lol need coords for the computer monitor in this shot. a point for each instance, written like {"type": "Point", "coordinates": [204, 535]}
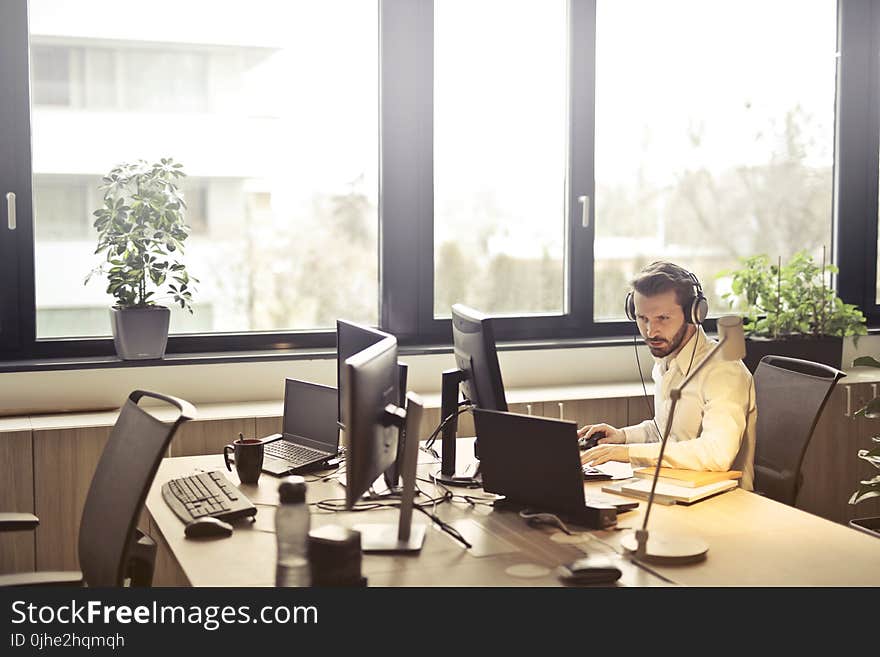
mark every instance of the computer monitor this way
{"type": "Point", "coordinates": [372, 419]}
{"type": "Point", "coordinates": [352, 338]}
{"type": "Point", "coordinates": [478, 376]}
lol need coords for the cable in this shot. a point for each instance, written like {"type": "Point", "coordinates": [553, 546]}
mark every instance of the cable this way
{"type": "Point", "coordinates": [644, 387]}
{"type": "Point", "coordinates": [542, 518]}
{"type": "Point", "coordinates": [449, 529]}
{"type": "Point", "coordinates": [463, 406]}
{"type": "Point", "coordinates": [640, 564]}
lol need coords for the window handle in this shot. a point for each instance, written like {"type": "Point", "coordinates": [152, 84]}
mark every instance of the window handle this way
{"type": "Point", "coordinates": [10, 210]}
{"type": "Point", "coordinates": [585, 216]}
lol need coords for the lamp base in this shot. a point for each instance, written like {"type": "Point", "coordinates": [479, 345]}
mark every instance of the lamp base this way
{"type": "Point", "coordinates": [666, 549]}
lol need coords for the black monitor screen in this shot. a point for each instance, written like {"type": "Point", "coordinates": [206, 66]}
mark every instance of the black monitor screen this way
{"type": "Point", "coordinates": [350, 339]}
{"type": "Point", "coordinates": [474, 344]}
{"type": "Point", "coordinates": [371, 382]}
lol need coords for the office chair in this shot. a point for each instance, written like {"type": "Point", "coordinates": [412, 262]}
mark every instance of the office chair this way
{"type": "Point", "coordinates": [790, 394]}
{"type": "Point", "coordinates": [111, 548]}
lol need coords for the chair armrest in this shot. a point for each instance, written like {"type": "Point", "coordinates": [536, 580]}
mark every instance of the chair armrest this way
{"type": "Point", "coordinates": [47, 578]}
{"type": "Point", "coordinates": [16, 522]}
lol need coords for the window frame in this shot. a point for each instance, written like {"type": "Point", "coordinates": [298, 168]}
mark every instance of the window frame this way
{"type": "Point", "coordinates": [406, 244]}
{"type": "Point", "coordinates": [857, 159]}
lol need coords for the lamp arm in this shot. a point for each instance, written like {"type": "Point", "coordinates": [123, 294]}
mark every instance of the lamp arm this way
{"type": "Point", "coordinates": [677, 390]}
{"type": "Point", "coordinates": [675, 395]}
{"type": "Point", "coordinates": [660, 460]}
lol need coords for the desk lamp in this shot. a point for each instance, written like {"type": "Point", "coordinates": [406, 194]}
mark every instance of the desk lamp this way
{"type": "Point", "coordinates": [668, 549]}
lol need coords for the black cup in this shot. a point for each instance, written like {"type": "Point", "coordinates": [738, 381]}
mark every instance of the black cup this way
{"type": "Point", "coordinates": [335, 557]}
{"type": "Point", "coordinates": [248, 459]}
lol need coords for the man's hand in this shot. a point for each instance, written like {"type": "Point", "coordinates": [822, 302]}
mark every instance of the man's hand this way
{"type": "Point", "coordinates": [612, 434]}
{"type": "Point", "coordinates": [603, 453]}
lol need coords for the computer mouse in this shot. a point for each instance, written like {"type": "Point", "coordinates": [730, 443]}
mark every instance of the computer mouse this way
{"type": "Point", "coordinates": [591, 442]}
{"type": "Point", "coordinates": [596, 569]}
{"type": "Point", "coordinates": [206, 527]}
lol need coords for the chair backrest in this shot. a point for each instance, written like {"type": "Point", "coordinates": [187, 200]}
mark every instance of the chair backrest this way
{"type": "Point", "coordinates": [790, 394]}
{"type": "Point", "coordinates": [120, 485]}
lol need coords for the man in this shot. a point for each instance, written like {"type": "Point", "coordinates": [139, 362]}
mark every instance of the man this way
{"type": "Point", "coordinates": [714, 424]}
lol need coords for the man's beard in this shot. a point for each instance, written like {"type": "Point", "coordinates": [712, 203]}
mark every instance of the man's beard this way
{"type": "Point", "coordinates": [667, 347]}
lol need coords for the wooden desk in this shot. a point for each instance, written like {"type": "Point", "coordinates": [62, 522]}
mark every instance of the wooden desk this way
{"type": "Point", "coordinates": [753, 541]}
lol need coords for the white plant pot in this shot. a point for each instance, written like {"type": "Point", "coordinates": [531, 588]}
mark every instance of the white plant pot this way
{"type": "Point", "coordinates": [140, 333]}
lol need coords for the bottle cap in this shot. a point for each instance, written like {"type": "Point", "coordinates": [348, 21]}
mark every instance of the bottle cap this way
{"type": "Point", "coordinates": [292, 489]}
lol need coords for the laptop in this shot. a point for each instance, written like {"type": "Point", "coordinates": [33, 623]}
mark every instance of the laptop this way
{"type": "Point", "coordinates": [535, 462]}
{"type": "Point", "coordinates": [309, 432]}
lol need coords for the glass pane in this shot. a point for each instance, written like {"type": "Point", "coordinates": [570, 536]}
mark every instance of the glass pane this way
{"type": "Point", "coordinates": [271, 107]}
{"type": "Point", "coordinates": [714, 137]}
{"type": "Point", "coordinates": [499, 155]}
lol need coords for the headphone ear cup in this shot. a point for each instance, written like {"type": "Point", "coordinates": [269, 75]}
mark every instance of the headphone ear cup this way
{"type": "Point", "coordinates": [629, 307]}
{"type": "Point", "coordinates": [699, 309]}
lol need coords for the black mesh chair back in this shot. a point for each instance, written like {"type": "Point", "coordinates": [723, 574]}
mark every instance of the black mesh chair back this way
{"type": "Point", "coordinates": [790, 395]}
{"type": "Point", "coordinates": [119, 488]}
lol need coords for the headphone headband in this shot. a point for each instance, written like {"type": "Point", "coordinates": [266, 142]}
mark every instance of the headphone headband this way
{"type": "Point", "coordinates": [695, 310]}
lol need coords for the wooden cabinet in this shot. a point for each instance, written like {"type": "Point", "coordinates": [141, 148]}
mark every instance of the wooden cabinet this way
{"type": "Point", "coordinates": [588, 411]}
{"type": "Point", "coordinates": [47, 468]}
{"type": "Point", "coordinates": [832, 468]}
{"type": "Point", "coordinates": [63, 466]}
{"type": "Point", "coordinates": [17, 549]}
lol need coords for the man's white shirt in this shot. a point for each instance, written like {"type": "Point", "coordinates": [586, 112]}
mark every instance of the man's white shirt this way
{"type": "Point", "coordinates": [714, 424]}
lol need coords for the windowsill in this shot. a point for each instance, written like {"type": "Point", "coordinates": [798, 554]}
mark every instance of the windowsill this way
{"type": "Point", "coordinates": [560, 368]}
{"type": "Point", "coordinates": [215, 358]}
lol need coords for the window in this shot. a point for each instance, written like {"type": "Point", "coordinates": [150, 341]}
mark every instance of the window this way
{"type": "Point", "coordinates": [381, 161]}
{"type": "Point", "coordinates": [711, 145]}
{"type": "Point", "coordinates": [277, 131]}
{"type": "Point", "coordinates": [500, 153]}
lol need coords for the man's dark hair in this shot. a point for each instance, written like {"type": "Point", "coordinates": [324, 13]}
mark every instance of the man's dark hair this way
{"type": "Point", "coordinates": [661, 276]}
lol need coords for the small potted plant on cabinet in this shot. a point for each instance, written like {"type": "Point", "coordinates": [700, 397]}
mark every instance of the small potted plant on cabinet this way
{"type": "Point", "coordinates": [790, 310]}
{"type": "Point", "coordinates": [868, 488]}
{"type": "Point", "coordinates": [141, 231]}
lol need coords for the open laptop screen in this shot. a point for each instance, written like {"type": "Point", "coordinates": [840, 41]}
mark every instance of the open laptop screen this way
{"type": "Point", "coordinates": [310, 414]}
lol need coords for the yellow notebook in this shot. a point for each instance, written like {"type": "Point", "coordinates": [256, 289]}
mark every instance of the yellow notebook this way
{"type": "Point", "coordinates": [688, 478]}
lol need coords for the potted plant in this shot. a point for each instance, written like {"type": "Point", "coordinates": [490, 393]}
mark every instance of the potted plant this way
{"type": "Point", "coordinates": [868, 488]}
{"type": "Point", "coordinates": [141, 231]}
{"type": "Point", "coordinates": [790, 310]}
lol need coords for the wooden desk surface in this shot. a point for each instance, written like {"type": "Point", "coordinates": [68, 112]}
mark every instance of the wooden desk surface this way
{"type": "Point", "coordinates": [753, 541]}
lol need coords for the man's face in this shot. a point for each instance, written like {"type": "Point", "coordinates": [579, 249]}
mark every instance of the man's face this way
{"type": "Point", "coordinates": [661, 323]}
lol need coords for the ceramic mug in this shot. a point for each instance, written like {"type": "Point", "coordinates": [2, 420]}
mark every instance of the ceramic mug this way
{"type": "Point", "coordinates": [248, 456]}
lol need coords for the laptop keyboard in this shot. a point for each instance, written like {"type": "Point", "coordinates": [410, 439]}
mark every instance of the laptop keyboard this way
{"type": "Point", "coordinates": [282, 449]}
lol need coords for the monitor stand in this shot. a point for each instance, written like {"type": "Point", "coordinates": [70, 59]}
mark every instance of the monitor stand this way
{"type": "Point", "coordinates": [405, 537]}
{"type": "Point", "coordinates": [447, 474]}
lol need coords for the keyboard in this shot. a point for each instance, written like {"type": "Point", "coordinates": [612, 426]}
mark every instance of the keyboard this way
{"type": "Point", "coordinates": [206, 494]}
{"type": "Point", "coordinates": [296, 454]}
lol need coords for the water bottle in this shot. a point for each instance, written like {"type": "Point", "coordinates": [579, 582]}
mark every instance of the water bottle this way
{"type": "Point", "coordinates": [292, 523]}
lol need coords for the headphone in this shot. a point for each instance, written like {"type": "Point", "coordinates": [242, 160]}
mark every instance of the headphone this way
{"type": "Point", "coordinates": [695, 310]}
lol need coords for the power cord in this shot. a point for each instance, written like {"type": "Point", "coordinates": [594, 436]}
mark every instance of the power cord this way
{"type": "Point", "coordinates": [639, 564]}
{"type": "Point", "coordinates": [542, 518]}
{"type": "Point", "coordinates": [337, 505]}
{"type": "Point", "coordinates": [463, 406]}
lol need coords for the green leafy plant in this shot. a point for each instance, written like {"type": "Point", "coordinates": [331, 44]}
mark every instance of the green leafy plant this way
{"type": "Point", "coordinates": [868, 488]}
{"type": "Point", "coordinates": [779, 300]}
{"type": "Point", "coordinates": [141, 230]}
